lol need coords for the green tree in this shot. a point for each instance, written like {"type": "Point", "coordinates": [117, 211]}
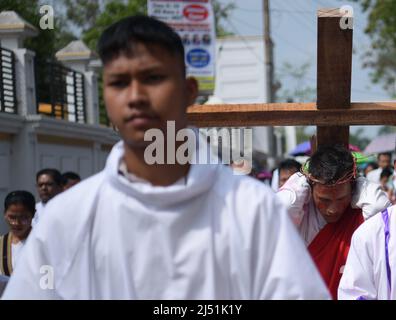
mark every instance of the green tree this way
{"type": "Point", "coordinates": [82, 13]}
{"type": "Point", "coordinates": [221, 13]}
{"type": "Point", "coordinates": [48, 41]}
{"type": "Point", "coordinates": [358, 139]}
{"type": "Point", "coordinates": [299, 90]}
{"type": "Point", "coordinates": [381, 28]}
{"type": "Point", "coordinates": [112, 11]}
{"type": "Point", "coordinates": [386, 129]}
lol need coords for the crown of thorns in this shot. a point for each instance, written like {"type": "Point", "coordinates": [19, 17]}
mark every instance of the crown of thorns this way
{"type": "Point", "coordinates": [348, 176]}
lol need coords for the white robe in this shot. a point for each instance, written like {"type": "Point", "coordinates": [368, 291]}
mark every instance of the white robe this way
{"type": "Point", "coordinates": [365, 273]}
{"type": "Point", "coordinates": [374, 175]}
{"type": "Point", "coordinates": [16, 249]}
{"type": "Point", "coordinates": [296, 195]}
{"type": "Point", "coordinates": [219, 236]}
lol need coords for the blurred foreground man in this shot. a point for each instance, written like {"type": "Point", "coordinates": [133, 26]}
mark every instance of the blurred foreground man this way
{"type": "Point", "coordinates": [161, 231]}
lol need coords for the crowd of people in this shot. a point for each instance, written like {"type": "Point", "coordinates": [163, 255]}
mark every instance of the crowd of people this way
{"type": "Point", "coordinates": [192, 231]}
{"type": "Point", "coordinates": [384, 173]}
{"type": "Point", "coordinates": [22, 213]}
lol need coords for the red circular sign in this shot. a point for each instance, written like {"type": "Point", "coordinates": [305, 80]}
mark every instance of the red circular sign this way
{"type": "Point", "coordinates": [195, 12]}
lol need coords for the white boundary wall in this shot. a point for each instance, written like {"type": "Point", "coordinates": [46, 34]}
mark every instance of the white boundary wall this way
{"type": "Point", "coordinates": [29, 144]}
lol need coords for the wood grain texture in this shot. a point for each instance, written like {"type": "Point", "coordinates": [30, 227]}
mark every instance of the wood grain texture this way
{"type": "Point", "coordinates": [334, 67]}
{"type": "Point", "coordinates": [291, 114]}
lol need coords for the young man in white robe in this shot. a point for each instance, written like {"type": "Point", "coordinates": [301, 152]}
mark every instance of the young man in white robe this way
{"type": "Point", "coordinates": [327, 204]}
{"type": "Point", "coordinates": [161, 231]}
{"type": "Point", "coordinates": [369, 272]}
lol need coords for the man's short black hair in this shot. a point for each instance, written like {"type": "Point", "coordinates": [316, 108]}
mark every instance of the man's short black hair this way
{"type": "Point", "coordinates": [330, 163]}
{"type": "Point", "coordinates": [290, 164]}
{"type": "Point", "coordinates": [70, 175]}
{"type": "Point", "coordinates": [388, 154]}
{"type": "Point", "coordinates": [54, 173]}
{"type": "Point", "coordinates": [372, 164]}
{"type": "Point", "coordinates": [121, 37]}
{"type": "Point", "coordinates": [386, 173]}
{"type": "Point", "coordinates": [22, 197]}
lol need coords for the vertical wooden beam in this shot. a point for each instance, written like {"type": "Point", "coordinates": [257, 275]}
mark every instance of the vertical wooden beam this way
{"type": "Point", "coordinates": [333, 72]}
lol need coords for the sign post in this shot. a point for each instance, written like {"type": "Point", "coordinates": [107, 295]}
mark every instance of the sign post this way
{"type": "Point", "coordinates": [193, 20]}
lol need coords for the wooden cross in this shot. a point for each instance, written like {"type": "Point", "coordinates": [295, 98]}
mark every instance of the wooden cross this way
{"type": "Point", "coordinates": [333, 112]}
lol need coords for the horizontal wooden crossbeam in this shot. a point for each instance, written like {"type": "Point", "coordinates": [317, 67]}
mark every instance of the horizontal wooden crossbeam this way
{"type": "Point", "coordinates": [291, 114]}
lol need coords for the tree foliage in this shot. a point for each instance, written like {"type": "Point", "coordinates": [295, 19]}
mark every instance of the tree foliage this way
{"type": "Point", "coordinates": [221, 13]}
{"type": "Point", "coordinates": [111, 12]}
{"type": "Point", "coordinates": [48, 41]}
{"type": "Point", "coordinates": [386, 129]}
{"type": "Point", "coordinates": [358, 139]}
{"type": "Point", "coordinates": [86, 19]}
{"type": "Point", "coordinates": [91, 17]}
{"type": "Point", "coordinates": [298, 91]}
{"type": "Point", "coordinates": [381, 28]}
{"type": "Point", "coordinates": [82, 13]}
{"type": "Point", "coordinates": [114, 10]}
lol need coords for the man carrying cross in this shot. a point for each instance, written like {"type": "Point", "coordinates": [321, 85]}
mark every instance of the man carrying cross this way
{"type": "Point", "coordinates": [332, 113]}
{"type": "Point", "coordinates": [327, 202]}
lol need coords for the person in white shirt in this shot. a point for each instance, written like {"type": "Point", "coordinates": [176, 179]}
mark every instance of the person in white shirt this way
{"type": "Point", "coordinates": [19, 209]}
{"type": "Point", "coordinates": [369, 270]}
{"type": "Point", "coordinates": [70, 179]}
{"type": "Point", "coordinates": [384, 161]}
{"type": "Point", "coordinates": [327, 203]}
{"type": "Point", "coordinates": [286, 169]}
{"type": "Point", "coordinates": [369, 167]}
{"type": "Point", "coordinates": [275, 180]}
{"type": "Point", "coordinates": [161, 231]}
{"type": "Point", "coordinates": [49, 184]}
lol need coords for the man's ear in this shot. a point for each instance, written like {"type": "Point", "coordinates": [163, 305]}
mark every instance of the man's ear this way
{"type": "Point", "coordinates": [192, 90]}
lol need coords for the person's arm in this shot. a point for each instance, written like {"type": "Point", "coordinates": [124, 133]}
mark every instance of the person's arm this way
{"type": "Point", "coordinates": [369, 197]}
{"type": "Point", "coordinates": [282, 267]}
{"type": "Point", "coordinates": [294, 195]}
{"type": "Point", "coordinates": [357, 282]}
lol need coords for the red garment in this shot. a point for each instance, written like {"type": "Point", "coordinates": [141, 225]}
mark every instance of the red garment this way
{"type": "Point", "coordinates": [329, 249]}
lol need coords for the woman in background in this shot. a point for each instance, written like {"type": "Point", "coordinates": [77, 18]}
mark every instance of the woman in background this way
{"type": "Point", "coordinates": [19, 209]}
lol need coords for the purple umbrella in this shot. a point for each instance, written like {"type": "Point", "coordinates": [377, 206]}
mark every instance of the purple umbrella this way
{"type": "Point", "coordinates": [301, 149]}
{"type": "Point", "coordinates": [304, 148]}
{"type": "Point", "coordinates": [385, 143]}
{"type": "Point", "coordinates": [264, 175]}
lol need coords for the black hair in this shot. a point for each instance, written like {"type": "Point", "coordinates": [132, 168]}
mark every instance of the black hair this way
{"type": "Point", "coordinates": [54, 173]}
{"type": "Point", "coordinates": [24, 198]}
{"type": "Point", "coordinates": [330, 163]}
{"type": "Point", "coordinates": [386, 173]}
{"type": "Point", "coordinates": [289, 164]}
{"type": "Point", "coordinates": [388, 154]}
{"type": "Point", "coordinates": [122, 36]}
{"type": "Point", "coordinates": [70, 176]}
{"type": "Point", "coordinates": [374, 165]}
